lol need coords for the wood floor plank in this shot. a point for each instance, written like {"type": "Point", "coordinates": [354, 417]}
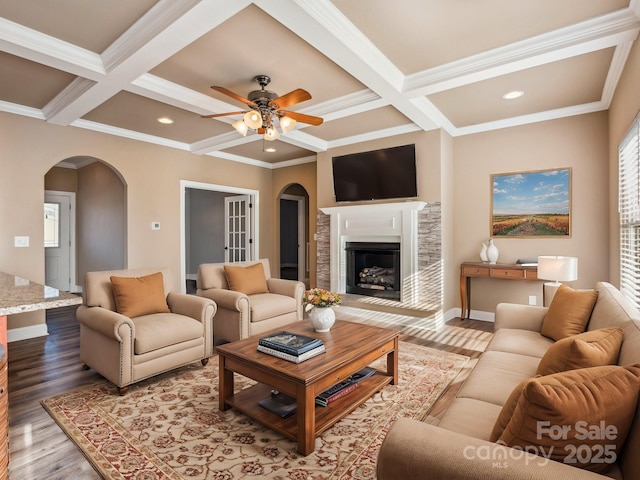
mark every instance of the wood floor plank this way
{"type": "Point", "coordinates": [42, 367]}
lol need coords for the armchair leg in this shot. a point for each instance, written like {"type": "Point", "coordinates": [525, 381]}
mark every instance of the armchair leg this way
{"type": "Point", "coordinates": [204, 362]}
{"type": "Point", "coordinates": [123, 390]}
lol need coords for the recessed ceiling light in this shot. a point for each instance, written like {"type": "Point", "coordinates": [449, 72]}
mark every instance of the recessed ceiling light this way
{"type": "Point", "coordinates": [165, 120]}
{"type": "Point", "coordinates": [270, 149]}
{"type": "Point", "coordinates": [513, 94]}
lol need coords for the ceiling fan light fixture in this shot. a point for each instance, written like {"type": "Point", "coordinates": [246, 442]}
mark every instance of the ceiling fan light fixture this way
{"type": "Point", "coordinates": [241, 127]}
{"type": "Point", "coordinates": [271, 134]}
{"type": "Point", "coordinates": [253, 119]}
{"type": "Point", "coordinates": [287, 124]}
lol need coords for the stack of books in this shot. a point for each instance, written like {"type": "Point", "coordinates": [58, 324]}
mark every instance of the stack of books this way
{"type": "Point", "coordinates": [291, 346]}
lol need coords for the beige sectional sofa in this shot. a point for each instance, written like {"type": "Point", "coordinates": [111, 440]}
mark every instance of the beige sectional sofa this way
{"type": "Point", "coordinates": [459, 446]}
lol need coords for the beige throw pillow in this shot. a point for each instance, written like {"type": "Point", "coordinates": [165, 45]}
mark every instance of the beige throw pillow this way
{"type": "Point", "coordinates": [568, 313]}
{"type": "Point", "coordinates": [579, 417]}
{"type": "Point", "coordinates": [137, 296]}
{"type": "Point", "coordinates": [588, 349]}
{"type": "Point", "coordinates": [248, 280]}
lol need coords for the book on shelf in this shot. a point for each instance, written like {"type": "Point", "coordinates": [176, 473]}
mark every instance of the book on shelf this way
{"type": "Point", "coordinates": [291, 343]}
{"type": "Point", "coordinates": [362, 374]}
{"type": "Point", "coordinates": [336, 392]}
{"type": "Point", "coordinates": [292, 358]}
{"type": "Point", "coordinates": [279, 403]}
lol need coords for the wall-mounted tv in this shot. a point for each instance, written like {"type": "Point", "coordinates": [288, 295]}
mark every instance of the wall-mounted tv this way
{"type": "Point", "coordinates": [376, 175]}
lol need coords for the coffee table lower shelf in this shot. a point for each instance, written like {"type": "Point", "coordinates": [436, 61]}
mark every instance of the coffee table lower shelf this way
{"type": "Point", "coordinates": [246, 401]}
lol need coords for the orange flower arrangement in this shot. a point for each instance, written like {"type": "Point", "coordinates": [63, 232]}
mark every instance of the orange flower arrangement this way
{"type": "Point", "coordinates": [319, 297]}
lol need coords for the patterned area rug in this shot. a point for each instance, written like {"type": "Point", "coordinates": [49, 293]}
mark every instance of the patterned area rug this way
{"type": "Point", "coordinates": [169, 427]}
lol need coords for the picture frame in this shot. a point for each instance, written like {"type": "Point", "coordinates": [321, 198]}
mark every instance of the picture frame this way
{"type": "Point", "coordinates": [530, 204]}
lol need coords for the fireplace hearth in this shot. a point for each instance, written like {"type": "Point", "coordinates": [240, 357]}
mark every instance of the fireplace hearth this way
{"type": "Point", "coordinates": [373, 269]}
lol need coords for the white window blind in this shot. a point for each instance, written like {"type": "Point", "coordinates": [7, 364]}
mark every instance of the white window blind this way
{"type": "Point", "coordinates": [629, 209]}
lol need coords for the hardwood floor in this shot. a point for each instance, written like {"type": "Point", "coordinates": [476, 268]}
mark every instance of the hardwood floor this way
{"type": "Point", "coordinates": [42, 367]}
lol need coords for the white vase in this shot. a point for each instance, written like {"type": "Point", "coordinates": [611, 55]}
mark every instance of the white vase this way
{"type": "Point", "coordinates": [322, 318]}
{"type": "Point", "coordinates": [483, 253]}
{"type": "Point", "coordinates": [492, 252]}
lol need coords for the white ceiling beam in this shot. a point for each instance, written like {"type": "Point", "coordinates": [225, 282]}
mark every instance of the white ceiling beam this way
{"type": "Point", "coordinates": [366, 137]}
{"type": "Point", "coordinates": [585, 37]}
{"type": "Point", "coordinates": [322, 25]}
{"type": "Point", "coordinates": [164, 30]}
{"type": "Point", "coordinates": [38, 47]}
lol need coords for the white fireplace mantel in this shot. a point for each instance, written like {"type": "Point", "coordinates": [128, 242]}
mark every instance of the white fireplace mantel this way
{"type": "Point", "coordinates": [384, 222]}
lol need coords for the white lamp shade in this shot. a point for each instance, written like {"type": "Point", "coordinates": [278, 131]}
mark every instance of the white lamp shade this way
{"type": "Point", "coordinates": [253, 119]}
{"type": "Point", "coordinates": [287, 124]}
{"type": "Point", "coordinates": [558, 269]}
{"type": "Point", "coordinates": [241, 127]}
{"type": "Point", "coordinates": [271, 134]}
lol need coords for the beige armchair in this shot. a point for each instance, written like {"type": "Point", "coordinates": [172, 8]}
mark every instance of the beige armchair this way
{"type": "Point", "coordinates": [134, 327]}
{"type": "Point", "coordinates": [240, 314]}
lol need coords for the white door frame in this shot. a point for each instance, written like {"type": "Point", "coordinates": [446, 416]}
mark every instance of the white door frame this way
{"type": "Point", "coordinates": [255, 220]}
{"type": "Point", "coordinates": [72, 236]}
{"type": "Point", "coordinates": [302, 247]}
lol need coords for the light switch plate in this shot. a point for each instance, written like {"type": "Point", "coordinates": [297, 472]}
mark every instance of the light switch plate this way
{"type": "Point", "coordinates": [155, 225]}
{"type": "Point", "coordinates": [533, 300]}
{"type": "Point", "coordinates": [21, 242]}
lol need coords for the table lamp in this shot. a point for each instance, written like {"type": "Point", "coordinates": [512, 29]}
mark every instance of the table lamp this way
{"type": "Point", "coordinates": [558, 269]}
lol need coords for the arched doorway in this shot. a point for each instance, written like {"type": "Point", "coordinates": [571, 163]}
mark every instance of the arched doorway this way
{"type": "Point", "coordinates": [294, 233]}
{"type": "Point", "coordinates": [93, 221]}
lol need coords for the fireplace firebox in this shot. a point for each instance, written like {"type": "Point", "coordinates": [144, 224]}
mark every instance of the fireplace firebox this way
{"type": "Point", "coordinates": [373, 268]}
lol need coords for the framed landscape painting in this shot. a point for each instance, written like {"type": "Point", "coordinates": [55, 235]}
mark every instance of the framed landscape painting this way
{"type": "Point", "coordinates": [531, 204]}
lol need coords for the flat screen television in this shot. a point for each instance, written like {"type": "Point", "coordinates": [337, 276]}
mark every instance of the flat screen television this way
{"type": "Point", "coordinates": [376, 175]}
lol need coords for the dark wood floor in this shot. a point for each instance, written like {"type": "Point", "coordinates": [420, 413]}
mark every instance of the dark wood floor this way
{"type": "Point", "coordinates": [42, 367]}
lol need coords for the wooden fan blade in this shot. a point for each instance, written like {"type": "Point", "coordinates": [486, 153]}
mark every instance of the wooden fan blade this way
{"type": "Point", "coordinates": [234, 96]}
{"type": "Point", "coordinates": [301, 117]}
{"type": "Point", "coordinates": [291, 98]}
{"type": "Point", "coordinates": [223, 114]}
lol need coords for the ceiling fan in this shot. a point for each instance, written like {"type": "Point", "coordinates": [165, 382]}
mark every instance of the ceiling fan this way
{"type": "Point", "coordinates": [266, 109]}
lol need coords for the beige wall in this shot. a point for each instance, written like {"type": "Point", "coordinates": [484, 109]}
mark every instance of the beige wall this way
{"type": "Point", "coordinates": [623, 109]}
{"type": "Point", "coordinates": [30, 148]}
{"type": "Point", "coordinates": [577, 142]}
{"type": "Point", "coordinates": [61, 179]}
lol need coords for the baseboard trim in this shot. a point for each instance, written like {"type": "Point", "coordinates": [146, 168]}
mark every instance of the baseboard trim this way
{"type": "Point", "coordinates": [475, 315]}
{"type": "Point", "coordinates": [25, 333]}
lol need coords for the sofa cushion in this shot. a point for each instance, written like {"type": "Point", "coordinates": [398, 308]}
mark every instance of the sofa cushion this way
{"type": "Point", "coordinates": [163, 329]}
{"type": "Point", "coordinates": [588, 349]}
{"type": "Point", "coordinates": [471, 417]}
{"type": "Point", "coordinates": [137, 296]}
{"type": "Point", "coordinates": [568, 313]}
{"type": "Point", "coordinates": [581, 417]}
{"type": "Point", "coordinates": [248, 280]}
{"type": "Point", "coordinates": [502, 372]}
{"type": "Point", "coordinates": [265, 306]}
{"type": "Point", "coordinates": [522, 342]}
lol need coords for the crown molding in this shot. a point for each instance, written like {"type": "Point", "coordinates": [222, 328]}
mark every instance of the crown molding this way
{"type": "Point", "coordinates": [378, 134]}
{"type": "Point", "coordinates": [130, 134]}
{"type": "Point", "coordinates": [615, 72]}
{"type": "Point", "coordinates": [76, 89]}
{"type": "Point", "coordinates": [240, 159]}
{"type": "Point", "coordinates": [23, 110]}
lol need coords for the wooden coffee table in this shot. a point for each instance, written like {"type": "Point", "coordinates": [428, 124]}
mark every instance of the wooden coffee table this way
{"type": "Point", "coordinates": [349, 348]}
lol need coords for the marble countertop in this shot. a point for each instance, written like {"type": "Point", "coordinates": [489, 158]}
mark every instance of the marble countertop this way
{"type": "Point", "coordinates": [19, 295]}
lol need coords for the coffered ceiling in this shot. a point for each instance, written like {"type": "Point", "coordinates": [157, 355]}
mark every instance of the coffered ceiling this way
{"type": "Point", "coordinates": [374, 68]}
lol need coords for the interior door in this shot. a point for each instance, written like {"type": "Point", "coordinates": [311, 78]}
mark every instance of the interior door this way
{"type": "Point", "coordinates": [293, 259]}
{"type": "Point", "coordinates": [57, 240]}
{"type": "Point", "coordinates": [238, 222]}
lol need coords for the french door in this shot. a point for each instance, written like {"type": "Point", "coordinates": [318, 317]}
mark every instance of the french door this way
{"type": "Point", "coordinates": [237, 231]}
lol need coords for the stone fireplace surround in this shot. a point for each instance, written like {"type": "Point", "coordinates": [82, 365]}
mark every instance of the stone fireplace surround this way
{"type": "Point", "coordinates": [415, 225]}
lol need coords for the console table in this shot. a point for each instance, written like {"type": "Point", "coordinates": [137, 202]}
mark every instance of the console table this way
{"type": "Point", "coordinates": [469, 270]}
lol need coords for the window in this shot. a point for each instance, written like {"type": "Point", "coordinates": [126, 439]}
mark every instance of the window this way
{"type": "Point", "coordinates": [52, 225]}
{"type": "Point", "coordinates": [629, 209]}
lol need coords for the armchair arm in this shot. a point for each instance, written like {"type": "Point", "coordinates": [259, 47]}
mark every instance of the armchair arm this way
{"type": "Point", "coordinates": [290, 288]}
{"type": "Point", "coordinates": [522, 317]}
{"type": "Point", "coordinates": [202, 309]}
{"type": "Point", "coordinates": [413, 450]}
{"type": "Point", "coordinates": [229, 299]}
{"type": "Point", "coordinates": [106, 322]}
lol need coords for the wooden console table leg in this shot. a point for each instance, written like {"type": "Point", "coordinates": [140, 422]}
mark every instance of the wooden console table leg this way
{"type": "Point", "coordinates": [465, 297]}
{"type": "Point", "coordinates": [306, 413]}
{"type": "Point", "coordinates": [392, 363]}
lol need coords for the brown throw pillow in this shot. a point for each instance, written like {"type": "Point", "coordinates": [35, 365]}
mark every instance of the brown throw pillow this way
{"type": "Point", "coordinates": [137, 296]}
{"type": "Point", "coordinates": [579, 417]}
{"type": "Point", "coordinates": [248, 280]}
{"type": "Point", "coordinates": [568, 313]}
{"type": "Point", "coordinates": [588, 349]}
